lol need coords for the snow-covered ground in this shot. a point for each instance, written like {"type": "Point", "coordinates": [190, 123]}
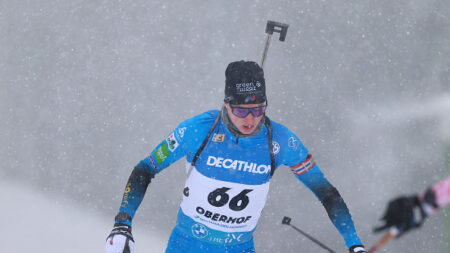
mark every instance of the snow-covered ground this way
{"type": "Point", "coordinates": [33, 222]}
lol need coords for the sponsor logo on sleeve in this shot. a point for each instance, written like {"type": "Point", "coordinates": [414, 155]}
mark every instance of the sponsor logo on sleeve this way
{"type": "Point", "coordinates": [161, 153]}
{"type": "Point", "coordinates": [125, 195]}
{"type": "Point", "coordinates": [181, 131]}
{"type": "Point", "coordinates": [293, 143]}
{"type": "Point", "coordinates": [218, 137]}
{"type": "Point", "coordinates": [172, 142]}
{"type": "Point", "coordinates": [152, 162]}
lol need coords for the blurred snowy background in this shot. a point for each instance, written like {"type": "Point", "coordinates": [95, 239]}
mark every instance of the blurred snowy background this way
{"type": "Point", "coordinates": [89, 88]}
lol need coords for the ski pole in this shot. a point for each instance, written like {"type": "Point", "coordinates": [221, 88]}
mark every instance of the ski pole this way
{"type": "Point", "coordinates": [392, 233]}
{"type": "Point", "coordinates": [271, 27]}
{"type": "Point", "coordinates": [287, 221]}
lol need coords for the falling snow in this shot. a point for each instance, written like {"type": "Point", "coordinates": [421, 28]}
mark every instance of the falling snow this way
{"type": "Point", "coordinates": [89, 88]}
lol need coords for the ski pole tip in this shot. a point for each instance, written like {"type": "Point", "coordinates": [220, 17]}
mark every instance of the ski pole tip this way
{"type": "Point", "coordinates": [286, 220]}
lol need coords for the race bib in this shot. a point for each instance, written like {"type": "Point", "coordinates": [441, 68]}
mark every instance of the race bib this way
{"type": "Point", "coordinates": [221, 205]}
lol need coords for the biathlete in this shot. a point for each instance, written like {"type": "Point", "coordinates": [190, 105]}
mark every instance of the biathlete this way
{"type": "Point", "coordinates": [231, 156]}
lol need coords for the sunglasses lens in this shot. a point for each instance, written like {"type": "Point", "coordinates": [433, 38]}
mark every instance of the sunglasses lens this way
{"type": "Point", "coordinates": [243, 112]}
{"type": "Point", "coordinates": [258, 111]}
{"type": "Point", "coordinates": [240, 112]}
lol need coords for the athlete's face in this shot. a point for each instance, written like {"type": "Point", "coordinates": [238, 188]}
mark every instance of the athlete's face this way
{"type": "Point", "coordinates": [249, 123]}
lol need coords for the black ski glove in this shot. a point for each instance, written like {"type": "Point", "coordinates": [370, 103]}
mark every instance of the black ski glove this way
{"type": "Point", "coordinates": [357, 249]}
{"type": "Point", "coordinates": [404, 213]}
{"type": "Point", "coordinates": [120, 240]}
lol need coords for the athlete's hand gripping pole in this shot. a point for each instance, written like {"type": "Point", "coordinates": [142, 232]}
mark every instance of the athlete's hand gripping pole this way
{"type": "Point", "coordinates": [271, 27]}
{"type": "Point", "coordinates": [120, 240]}
{"type": "Point", "coordinates": [402, 215]}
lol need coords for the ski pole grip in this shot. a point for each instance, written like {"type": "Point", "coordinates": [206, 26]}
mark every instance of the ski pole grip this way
{"type": "Point", "coordinates": [278, 27]}
{"type": "Point", "coordinates": [286, 221]}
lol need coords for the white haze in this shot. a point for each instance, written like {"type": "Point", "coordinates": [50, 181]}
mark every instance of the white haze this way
{"type": "Point", "coordinates": [49, 224]}
{"type": "Point", "coordinates": [89, 88]}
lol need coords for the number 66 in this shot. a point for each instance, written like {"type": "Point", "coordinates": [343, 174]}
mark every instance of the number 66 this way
{"type": "Point", "coordinates": [219, 198]}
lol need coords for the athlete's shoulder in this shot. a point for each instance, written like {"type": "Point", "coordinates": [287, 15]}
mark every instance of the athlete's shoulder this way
{"type": "Point", "coordinates": [279, 130]}
{"type": "Point", "coordinates": [208, 116]}
{"type": "Point", "coordinates": [204, 119]}
{"type": "Point", "coordinates": [196, 126]}
{"type": "Point", "coordinates": [290, 147]}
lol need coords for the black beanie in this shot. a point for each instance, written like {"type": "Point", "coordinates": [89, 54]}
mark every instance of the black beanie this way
{"type": "Point", "coordinates": [244, 83]}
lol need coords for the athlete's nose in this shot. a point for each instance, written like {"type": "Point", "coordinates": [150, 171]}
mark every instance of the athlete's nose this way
{"type": "Point", "coordinates": [250, 118]}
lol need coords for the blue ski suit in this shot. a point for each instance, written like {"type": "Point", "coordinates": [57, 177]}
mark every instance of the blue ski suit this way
{"type": "Point", "coordinates": [226, 190]}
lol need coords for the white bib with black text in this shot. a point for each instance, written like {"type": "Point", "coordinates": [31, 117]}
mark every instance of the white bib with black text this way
{"type": "Point", "coordinates": [221, 205]}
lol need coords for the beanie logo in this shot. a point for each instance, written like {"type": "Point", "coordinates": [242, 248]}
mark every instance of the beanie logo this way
{"type": "Point", "coordinates": [246, 87]}
{"type": "Point", "coordinates": [250, 99]}
{"type": "Point", "coordinates": [258, 84]}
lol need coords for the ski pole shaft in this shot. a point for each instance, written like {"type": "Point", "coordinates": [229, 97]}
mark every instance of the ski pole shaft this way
{"type": "Point", "coordinates": [272, 27]}
{"type": "Point", "coordinates": [392, 233]}
{"type": "Point", "coordinates": [266, 48]}
{"type": "Point", "coordinates": [287, 221]}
